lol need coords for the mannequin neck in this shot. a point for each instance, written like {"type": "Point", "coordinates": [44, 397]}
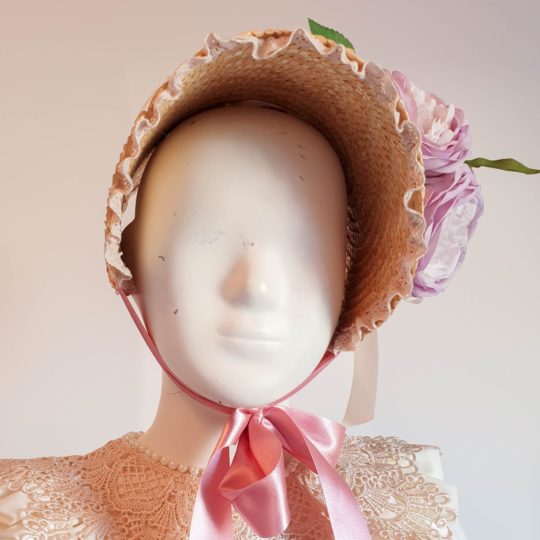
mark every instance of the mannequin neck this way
{"type": "Point", "coordinates": [184, 430]}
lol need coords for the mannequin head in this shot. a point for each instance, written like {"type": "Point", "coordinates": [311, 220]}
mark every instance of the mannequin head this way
{"type": "Point", "coordinates": [237, 251]}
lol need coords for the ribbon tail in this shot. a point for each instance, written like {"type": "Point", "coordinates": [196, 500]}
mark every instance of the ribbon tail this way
{"type": "Point", "coordinates": [346, 517]}
{"type": "Point", "coordinates": [304, 434]}
{"type": "Point", "coordinates": [363, 392]}
{"type": "Point", "coordinates": [255, 483]}
{"type": "Point", "coordinates": [211, 518]}
{"type": "Point", "coordinates": [212, 515]}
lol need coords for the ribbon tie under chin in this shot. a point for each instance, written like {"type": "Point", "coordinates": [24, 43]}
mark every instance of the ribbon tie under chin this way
{"type": "Point", "coordinates": [254, 483]}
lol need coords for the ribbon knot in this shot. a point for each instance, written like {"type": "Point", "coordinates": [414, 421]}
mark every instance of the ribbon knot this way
{"type": "Point", "coordinates": [254, 482]}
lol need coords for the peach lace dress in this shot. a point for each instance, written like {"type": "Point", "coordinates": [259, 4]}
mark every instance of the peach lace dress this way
{"type": "Point", "coordinates": [119, 491]}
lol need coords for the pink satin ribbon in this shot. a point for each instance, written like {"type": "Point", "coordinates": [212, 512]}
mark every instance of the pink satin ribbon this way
{"type": "Point", "coordinates": [254, 482]}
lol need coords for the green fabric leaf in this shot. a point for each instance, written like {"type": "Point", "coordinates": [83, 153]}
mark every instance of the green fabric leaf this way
{"type": "Point", "coordinates": [329, 33]}
{"type": "Point", "coordinates": [507, 164]}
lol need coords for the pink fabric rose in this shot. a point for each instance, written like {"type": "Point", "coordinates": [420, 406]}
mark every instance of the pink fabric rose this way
{"type": "Point", "coordinates": [453, 202]}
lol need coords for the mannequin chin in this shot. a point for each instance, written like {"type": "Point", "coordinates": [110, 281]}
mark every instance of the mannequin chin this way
{"type": "Point", "coordinates": [238, 251]}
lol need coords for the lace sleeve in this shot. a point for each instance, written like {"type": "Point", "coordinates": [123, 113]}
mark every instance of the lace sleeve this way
{"type": "Point", "coordinates": [13, 506]}
{"type": "Point", "coordinates": [399, 500]}
{"type": "Point", "coordinates": [429, 463]}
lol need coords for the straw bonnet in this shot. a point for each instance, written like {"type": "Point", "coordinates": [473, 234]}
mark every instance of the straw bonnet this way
{"type": "Point", "coordinates": [353, 103]}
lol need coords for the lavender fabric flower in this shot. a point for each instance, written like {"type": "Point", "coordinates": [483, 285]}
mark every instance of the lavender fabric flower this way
{"type": "Point", "coordinates": [446, 141]}
{"type": "Point", "coordinates": [453, 202]}
{"type": "Point", "coordinates": [453, 205]}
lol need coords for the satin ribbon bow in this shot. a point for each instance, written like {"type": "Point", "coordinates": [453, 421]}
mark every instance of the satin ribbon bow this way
{"type": "Point", "coordinates": [254, 483]}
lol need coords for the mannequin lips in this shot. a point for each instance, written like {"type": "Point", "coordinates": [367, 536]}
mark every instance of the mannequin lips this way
{"type": "Point", "coordinates": [251, 336]}
{"type": "Point", "coordinates": [250, 332]}
{"type": "Point", "coordinates": [250, 329]}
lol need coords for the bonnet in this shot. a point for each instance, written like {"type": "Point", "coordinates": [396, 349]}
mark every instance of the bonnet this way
{"type": "Point", "coordinates": [412, 204]}
{"type": "Point", "coordinates": [354, 104]}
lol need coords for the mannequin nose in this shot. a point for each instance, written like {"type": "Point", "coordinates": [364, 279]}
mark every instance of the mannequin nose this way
{"type": "Point", "coordinates": [254, 279]}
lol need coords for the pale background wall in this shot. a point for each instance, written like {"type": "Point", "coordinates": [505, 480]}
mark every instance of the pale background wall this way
{"type": "Point", "coordinates": [460, 371]}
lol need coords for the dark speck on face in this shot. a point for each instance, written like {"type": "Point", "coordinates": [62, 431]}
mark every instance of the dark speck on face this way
{"type": "Point", "coordinates": [301, 177]}
{"type": "Point", "coordinates": [176, 311]}
{"type": "Point", "coordinates": [161, 257]}
{"type": "Point", "coordinates": [302, 156]}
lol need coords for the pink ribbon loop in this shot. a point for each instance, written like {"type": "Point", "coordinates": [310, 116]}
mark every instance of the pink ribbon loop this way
{"type": "Point", "coordinates": [254, 483]}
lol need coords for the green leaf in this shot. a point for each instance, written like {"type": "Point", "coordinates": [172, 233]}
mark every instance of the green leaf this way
{"type": "Point", "coordinates": [507, 164]}
{"type": "Point", "coordinates": [329, 33]}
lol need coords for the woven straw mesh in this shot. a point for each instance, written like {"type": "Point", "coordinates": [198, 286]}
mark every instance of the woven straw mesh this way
{"type": "Point", "coordinates": [354, 104]}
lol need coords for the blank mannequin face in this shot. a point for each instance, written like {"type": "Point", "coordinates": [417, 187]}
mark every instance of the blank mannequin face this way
{"type": "Point", "coordinates": [238, 251]}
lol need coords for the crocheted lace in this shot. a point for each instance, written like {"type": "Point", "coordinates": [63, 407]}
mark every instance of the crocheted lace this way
{"type": "Point", "coordinates": [119, 492]}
